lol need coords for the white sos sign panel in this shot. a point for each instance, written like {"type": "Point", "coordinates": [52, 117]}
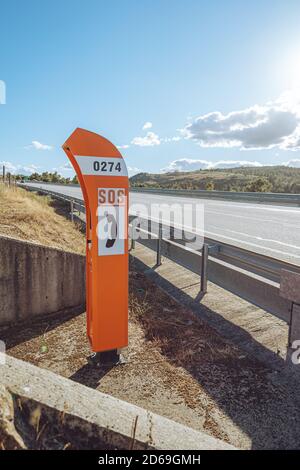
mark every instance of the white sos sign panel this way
{"type": "Point", "coordinates": [103, 166]}
{"type": "Point", "coordinates": [111, 230]}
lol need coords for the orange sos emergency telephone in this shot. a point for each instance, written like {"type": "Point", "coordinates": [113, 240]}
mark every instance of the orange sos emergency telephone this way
{"type": "Point", "coordinates": [103, 178]}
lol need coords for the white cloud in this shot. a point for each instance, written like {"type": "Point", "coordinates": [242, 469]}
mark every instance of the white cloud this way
{"type": "Point", "coordinates": [39, 146]}
{"type": "Point", "coordinates": [133, 170]}
{"type": "Point", "coordinates": [2, 92]}
{"type": "Point", "coordinates": [172, 139]}
{"type": "Point", "coordinates": [123, 146]}
{"type": "Point", "coordinates": [188, 164]}
{"type": "Point", "coordinates": [27, 169]}
{"type": "Point", "coordinates": [18, 169]}
{"type": "Point", "coordinates": [66, 170]}
{"type": "Point", "coordinates": [149, 140]}
{"type": "Point", "coordinates": [292, 163]}
{"type": "Point", "coordinates": [275, 124]}
{"type": "Point", "coordinates": [67, 167]}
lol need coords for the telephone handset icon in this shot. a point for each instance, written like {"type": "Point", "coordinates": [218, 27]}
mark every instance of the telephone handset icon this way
{"type": "Point", "coordinates": [112, 230]}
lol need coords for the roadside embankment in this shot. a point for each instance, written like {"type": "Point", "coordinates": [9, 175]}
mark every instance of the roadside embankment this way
{"type": "Point", "coordinates": [42, 269]}
{"type": "Point", "coordinates": [38, 219]}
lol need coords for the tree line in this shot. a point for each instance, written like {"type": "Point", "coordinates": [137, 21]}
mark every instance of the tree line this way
{"type": "Point", "coordinates": [48, 177]}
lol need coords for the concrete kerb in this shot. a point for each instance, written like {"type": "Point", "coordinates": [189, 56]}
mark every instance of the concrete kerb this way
{"type": "Point", "coordinates": [116, 423]}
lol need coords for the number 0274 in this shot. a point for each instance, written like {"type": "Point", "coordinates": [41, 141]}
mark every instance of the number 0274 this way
{"type": "Point", "coordinates": [106, 166]}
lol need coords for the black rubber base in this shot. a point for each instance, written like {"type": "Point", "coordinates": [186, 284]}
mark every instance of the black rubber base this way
{"type": "Point", "coordinates": [106, 358]}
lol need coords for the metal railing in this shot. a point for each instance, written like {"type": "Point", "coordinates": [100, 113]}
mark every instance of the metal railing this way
{"type": "Point", "coordinates": [211, 264]}
{"type": "Point", "coordinates": [264, 198]}
{"type": "Point", "coordinates": [76, 204]}
{"type": "Point", "coordinates": [251, 276]}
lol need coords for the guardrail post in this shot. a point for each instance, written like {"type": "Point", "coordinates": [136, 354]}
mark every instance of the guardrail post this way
{"type": "Point", "coordinates": [132, 244]}
{"type": "Point", "coordinates": [171, 227]}
{"type": "Point", "coordinates": [204, 262]}
{"type": "Point", "coordinates": [133, 234]}
{"type": "Point", "coordinates": [72, 210]}
{"type": "Point", "coordinates": [159, 239]}
{"type": "Point", "coordinates": [149, 223]}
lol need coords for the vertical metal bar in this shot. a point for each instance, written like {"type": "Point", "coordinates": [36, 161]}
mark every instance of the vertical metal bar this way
{"type": "Point", "coordinates": [132, 237]}
{"type": "Point", "coordinates": [204, 262]}
{"type": "Point", "coordinates": [149, 223]}
{"type": "Point", "coordinates": [72, 210]}
{"type": "Point", "coordinates": [159, 239]}
{"type": "Point", "coordinates": [133, 231]}
{"type": "Point", "coordinates": [172, 229]}
{"type": "Point", "coordinates": [290, 325]}
{"type": "Point", "coordinates": [132, 244]}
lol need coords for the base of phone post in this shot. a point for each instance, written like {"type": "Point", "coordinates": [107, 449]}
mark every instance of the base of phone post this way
{"type": "Point", "coordinates": [107, 358]}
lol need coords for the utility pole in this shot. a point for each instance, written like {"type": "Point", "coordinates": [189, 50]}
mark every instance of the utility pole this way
{"type": "Point", "coordinates": [3, 174]}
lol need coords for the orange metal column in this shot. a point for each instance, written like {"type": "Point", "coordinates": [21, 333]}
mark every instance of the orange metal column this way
{"type": "Point", "coordinates": [103, 178]}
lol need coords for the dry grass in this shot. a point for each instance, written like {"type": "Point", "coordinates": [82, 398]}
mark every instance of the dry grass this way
{"type": "Point", "coordinates": [175, 330]}
{"type": "Point", "coordinates": [31, 217]}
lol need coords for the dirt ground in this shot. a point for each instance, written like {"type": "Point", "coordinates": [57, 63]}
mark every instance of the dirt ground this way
{"type": "Point", "coordinates": [177, 366]}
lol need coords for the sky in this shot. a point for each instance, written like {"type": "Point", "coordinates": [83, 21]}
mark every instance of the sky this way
{"type": "Point", "coordinates": [176, 85]}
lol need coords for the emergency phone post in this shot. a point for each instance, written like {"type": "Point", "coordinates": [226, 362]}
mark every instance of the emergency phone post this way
{"type": "Point", "coordinates": [103, 178]}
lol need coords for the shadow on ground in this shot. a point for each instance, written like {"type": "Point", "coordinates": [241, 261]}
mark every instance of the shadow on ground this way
{"type": "Point", "coordinates": [37, 326]}
{"type": "Point", "coordinates": [90, 375]}
{"type": "Point", "coordinates": [262, 400]}
{"type": "Point", "coordinates": [178, 366]}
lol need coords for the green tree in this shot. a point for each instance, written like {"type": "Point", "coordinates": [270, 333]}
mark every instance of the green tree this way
{"type": "Point", "coordinates": [35, 176]}
{"type": "Point", "coordinates": [209, 186]}
{"type": "Point", "coordinates": [259, 185]}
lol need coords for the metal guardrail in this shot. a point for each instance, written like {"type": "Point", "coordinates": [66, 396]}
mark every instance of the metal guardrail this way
{"type": "Point", "coordinates": [256, 263]}
{"type": "Point", "coordinates": [75, 203]}
{"type": "Point", "coordinates": [254, 288]}
{"type": "Point", "coordinates": [251, 276]}
{"type": "Point", "coordinates": [264, 198]}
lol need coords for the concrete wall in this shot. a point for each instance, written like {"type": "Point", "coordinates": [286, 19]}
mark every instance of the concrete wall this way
{"type": "Point", "coordinates": [36, 280]}
{"type": "Point", "coordinates": [92, 418]}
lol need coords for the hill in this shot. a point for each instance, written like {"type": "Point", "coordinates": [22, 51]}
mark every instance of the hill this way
{"type": "Point", "coordinates": [277, 179]}
{"type": "Point", "coordinates": [39, 219]}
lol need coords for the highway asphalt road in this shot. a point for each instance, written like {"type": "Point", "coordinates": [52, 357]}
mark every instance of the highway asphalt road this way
{"type": "Point", "coordinates": [267, 229]}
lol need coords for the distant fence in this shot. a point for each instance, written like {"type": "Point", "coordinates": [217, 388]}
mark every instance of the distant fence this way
{"type": "Point", "coordinates": [267, 198]}
{"type": "Point", "coordinates": [263, 198]}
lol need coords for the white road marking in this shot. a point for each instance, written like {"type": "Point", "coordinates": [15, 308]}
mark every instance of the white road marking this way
{"type": "Point", "coordinates": [290, 255]}
{"type": "Point", "coordinates": [261, 238]}
{"type": "Point", "coordinates": [252, 218]}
